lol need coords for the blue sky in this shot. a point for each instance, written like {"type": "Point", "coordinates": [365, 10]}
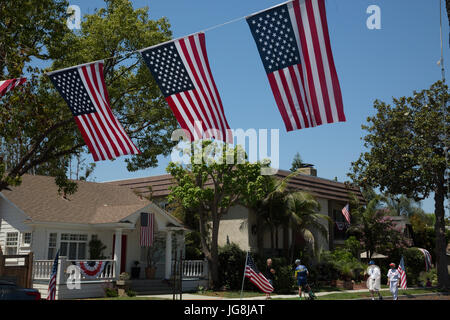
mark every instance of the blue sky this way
{"type": "Point", "coordinates": [371, 64]}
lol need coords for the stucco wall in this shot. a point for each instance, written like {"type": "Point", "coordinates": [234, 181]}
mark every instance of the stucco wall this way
{"type": "Point", "coordinates": [235, 228]}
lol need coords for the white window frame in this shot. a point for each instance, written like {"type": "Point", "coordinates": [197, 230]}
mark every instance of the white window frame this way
{"type": "Point", "coordinates": [77, 238]}
{"type": "Point", "coordinates": [24, 236]}
{"type": "Point", "coordinates": [51, 246]}
{"type": "Point", "coordinates": [8, 242]}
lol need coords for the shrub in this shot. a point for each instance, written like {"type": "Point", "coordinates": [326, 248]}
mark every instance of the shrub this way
{"type": "Point", "coordinates": [414, 264]}
{"type": "Point", "coordinates": [110, 292]}
{"type": "Point", "coordinates": [231, 266]}
{"type": "Point", "coordinates": [424, 276]}
{"type": "Point", "coordinates": [131, 293]}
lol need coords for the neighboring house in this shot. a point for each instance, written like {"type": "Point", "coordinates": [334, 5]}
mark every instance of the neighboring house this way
{"type": "Point", "coordinates": [35, 218]}
{"type": "Point", "coordinates": [239, 225]}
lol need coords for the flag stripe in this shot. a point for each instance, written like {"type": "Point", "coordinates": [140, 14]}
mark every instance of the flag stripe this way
{"type": "Point", "coordinates": [101, 116]}
{"type": "Point", "coordinates": [85, 133]}
{"type": "Point", "coordinates": [287, 91]}
{"type": "Point", "coordinates": [283, 103]}
{"type": "Point", "coordinates": [229, 137]}
{"type": "Point", "coordinates": [303, 71]}
{"type": "Point", "coordinates": [316, 50]}
{"type": "Point", "coordinates": [198, 82]}
{"type": "Point", "coordinates": [332, 67]}
{"type": "Point", "coordinates": [10, 84]}
{"type": "Point", "coordinates": [299, 100]}
{"type": "Point", "coordinates": [307, 60]}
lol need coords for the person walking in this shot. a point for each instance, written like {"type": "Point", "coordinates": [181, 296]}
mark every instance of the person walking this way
{"type": "Point", "coordinates": [269, 274]}
{"type": "Point", "coordinates": [373, 280]}
{"type": "Point", "coordinates": [393, 277]}
{"type": "Point", "coordinates": [301, 274]}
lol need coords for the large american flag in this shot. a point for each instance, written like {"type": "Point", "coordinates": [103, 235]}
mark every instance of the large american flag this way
{"type": "Point", "coordinates": [182, 72]}
{"type": "Point", "coordinates": [147, 233]}
{"type": "Point", "coordinates": [427, 257]}
{"type": "Point", "coordinates": [294, 45]}
{"type": "Point", "coordinates": [255, 276]}
{"type": "Point", "coordinates": [401, 269]}
{"type": "Point", "coordinates": [52, 283]}
{"type": "Point", "coordinates": [346, 212]}
{"type": "Point", "coordinates": [83, 88]}
{"type": "Point", "coordinates": [8, 85]}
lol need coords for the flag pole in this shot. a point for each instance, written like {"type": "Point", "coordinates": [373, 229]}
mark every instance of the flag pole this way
{"type": "Point", "coordinates": [243, 276]}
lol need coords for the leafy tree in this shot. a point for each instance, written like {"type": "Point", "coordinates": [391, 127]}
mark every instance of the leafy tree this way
{"type": "Point", "coordinates": [210, 185]}
{"type": "Point", "coordinates": [295, 210]}
{"type": "Point", "coordinates": [36, 126]}
{"type": "Point", "coordinates": [374, 228]}
{"type": "Point", "coordinates": [297, 162]}
{"type": "Point", "coordinates": [402, 205]}
{"type": "Point", "coordinates": [407, 147]}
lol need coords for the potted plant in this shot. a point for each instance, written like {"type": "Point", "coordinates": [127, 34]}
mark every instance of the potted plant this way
{"type": "Point", "coordinates": [123, 284]}
{"type": "Point", "coordinates": [135, 271]}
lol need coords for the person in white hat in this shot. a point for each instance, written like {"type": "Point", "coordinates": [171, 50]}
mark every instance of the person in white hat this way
{"type": "Point", "coordinates": [393, 277]}
{"type": "Point", "coordinates": [373, 281]}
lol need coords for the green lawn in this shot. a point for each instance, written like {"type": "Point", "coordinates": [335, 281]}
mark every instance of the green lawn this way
{"type": "Point", "coordinates": [230, 294]}
{"type": "Point", "coordinates": [362, 295]}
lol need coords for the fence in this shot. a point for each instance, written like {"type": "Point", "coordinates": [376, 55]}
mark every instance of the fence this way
{"type": "Point", "coordinates": [17, 268]}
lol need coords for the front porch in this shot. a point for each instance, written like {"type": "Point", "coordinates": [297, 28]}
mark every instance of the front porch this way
{"type": "Point", "coordinates": [72, 284]}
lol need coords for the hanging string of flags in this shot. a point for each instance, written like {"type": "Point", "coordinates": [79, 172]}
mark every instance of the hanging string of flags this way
{"type": "Point", "coordinates": [8, 85]}
{"type": "Point", "coordinates": [294, 45]}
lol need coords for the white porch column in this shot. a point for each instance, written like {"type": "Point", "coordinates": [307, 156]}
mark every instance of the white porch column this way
{"type": "Point", "coordinates": [117, 251]}
{"type": "Point", "coordinates": [168, 264]}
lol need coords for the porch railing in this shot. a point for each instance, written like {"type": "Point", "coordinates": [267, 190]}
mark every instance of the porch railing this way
{"type": "Point", "coordinates": [193, 268]}
{"type": "Point", "coordinates": [42, 270]}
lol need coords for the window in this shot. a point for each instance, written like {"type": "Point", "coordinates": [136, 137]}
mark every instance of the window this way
{"type": "Point", "coordinates": [26, 239]}
{"type": "Point", "coordinates": [73, 246]}
{"type": "Point", "coordinates": [52, 246]}
{"type": "Point", "coordinates": [11, 242]}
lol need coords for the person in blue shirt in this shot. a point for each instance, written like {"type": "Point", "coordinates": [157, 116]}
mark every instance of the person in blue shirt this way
{"type": "Point", "coordinates": [301, 274]}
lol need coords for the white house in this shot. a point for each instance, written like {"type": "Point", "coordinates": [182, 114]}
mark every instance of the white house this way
{"type": "Point", "coordinates": [239, 224]}
{"type": "Point", "coordinates": [35, 218]}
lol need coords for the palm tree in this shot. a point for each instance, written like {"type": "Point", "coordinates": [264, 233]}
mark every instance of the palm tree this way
{"type": "Point", "coordinates": [295, 210]}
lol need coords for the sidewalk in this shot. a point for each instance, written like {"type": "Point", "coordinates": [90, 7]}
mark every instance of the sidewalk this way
{"type": "Point", "coordinates": [191, 296]}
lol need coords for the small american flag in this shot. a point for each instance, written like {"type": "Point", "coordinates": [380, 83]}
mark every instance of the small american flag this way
{"type": "Point", "coordinates": [8, 85]}
{"type": "Point", "coordinates": [255, 276]}
{"type": "Point", "coordinates": [84, 89]}
{"type": "Point", "coordinates": [52, 284]}
{"type": "Point", "coordinates": [294, 45]}
{"type": "Point", "coordinates": [147, 229]}
{"type": "Point", "coordinates": [427, 257]}
{"type": "Point", "coordinates": [182, 72]}
{"type": "Point", "coordinates": [346, 212]}
{"type": "Point", "coordinates": [401, 269]}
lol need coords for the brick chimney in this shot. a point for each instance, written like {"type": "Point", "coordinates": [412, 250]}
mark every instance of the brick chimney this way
{"type": "Point", "coordinates": [310, 171]}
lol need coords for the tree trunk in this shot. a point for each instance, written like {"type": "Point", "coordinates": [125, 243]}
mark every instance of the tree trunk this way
{"type": "Point", "coordinates": [439, 227]}
{"type": "Point", "coordinates": [286, 242]}
{"type": "Point", "coordinates": [215, 253]}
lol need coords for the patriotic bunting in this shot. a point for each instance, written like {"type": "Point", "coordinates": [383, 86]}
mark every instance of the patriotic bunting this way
{"type": "Point", "coordinates": [182, 72]}
{"type": "Point", "coordinates": [91, 269]}
{"type": "Point", "coordinates": [8, 85]}
{"type": "Point", "coordinates": [294, 46]}
{"type": "Point", "coordinates": [83, 88]}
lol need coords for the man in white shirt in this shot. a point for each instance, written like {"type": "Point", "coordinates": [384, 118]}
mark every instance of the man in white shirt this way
{"type": "Point", "coordinates": [393, 277]}
{"type": "Point", "coordinates": [373, 281]}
